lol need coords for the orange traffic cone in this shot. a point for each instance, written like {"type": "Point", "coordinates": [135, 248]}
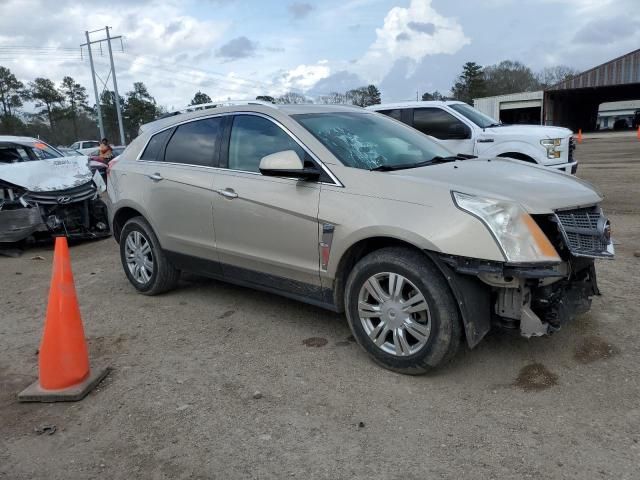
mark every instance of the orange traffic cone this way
{"type": "Point", "coordinates": [64, 373]}
{"type": "Point", "coordinates": [579, 135]}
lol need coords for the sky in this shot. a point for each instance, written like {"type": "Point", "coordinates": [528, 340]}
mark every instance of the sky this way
{"type": "Point", "coordinates": [242, 48]}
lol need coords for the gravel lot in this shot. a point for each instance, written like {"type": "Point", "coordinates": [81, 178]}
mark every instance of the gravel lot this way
{"type": "Point", "coordinates": [180, 403]}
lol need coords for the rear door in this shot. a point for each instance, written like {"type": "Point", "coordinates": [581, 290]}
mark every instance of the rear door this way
{"type": "Point", "coordinates": [266, 227]}
{"type": "Point", "coordinates": [448, 129]}
{"type": "Point", "coordinates": [179, 189]}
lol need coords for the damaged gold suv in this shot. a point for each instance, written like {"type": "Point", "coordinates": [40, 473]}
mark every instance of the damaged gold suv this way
{"type": "Point", "coordinates": [356, 212]}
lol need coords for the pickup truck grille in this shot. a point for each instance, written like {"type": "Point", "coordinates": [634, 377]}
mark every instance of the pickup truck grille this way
{"type": "Point", "coordinates": [572, 147]}
{"type": "Point", "coordinates": [63, 197]}
{"type": "Point", "coordinates": [586, 231]}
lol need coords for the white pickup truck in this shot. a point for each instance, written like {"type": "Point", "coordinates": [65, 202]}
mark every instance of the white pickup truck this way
{"type": "Point", "coordinates": [463, 129]}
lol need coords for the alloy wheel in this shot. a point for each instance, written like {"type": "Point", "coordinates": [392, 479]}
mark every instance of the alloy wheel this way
{"type": "Point", "coordinates": [139, 257]}
{"type": "Point", "coordinates": [394, 314]}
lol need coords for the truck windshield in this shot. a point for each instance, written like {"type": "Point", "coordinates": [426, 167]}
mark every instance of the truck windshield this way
{"type": "Point", "coordinates": [477, 117]}
{"type": "Point", "coordinates": [372, 142]}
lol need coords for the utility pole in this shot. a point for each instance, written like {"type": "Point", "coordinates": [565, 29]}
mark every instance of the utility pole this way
{"type": "Point", "coordinates": [115, 88]}
{"type": "Point", "coordinates": [95, 86]}
{"type": "Point", "coordinates": [112, 73]}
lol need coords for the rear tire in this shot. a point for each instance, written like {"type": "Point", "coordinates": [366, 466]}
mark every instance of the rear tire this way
{"type": "Point", "coordinates": [401, 311]}
{"type": "Point", "coordinates": [143, 260]}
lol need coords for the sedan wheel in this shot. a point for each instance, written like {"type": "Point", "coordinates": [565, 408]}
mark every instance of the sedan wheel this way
{"type": "Point", "coordinates": [394, 314]}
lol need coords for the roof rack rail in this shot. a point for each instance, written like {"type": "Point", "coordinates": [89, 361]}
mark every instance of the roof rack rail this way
{"type": "Point", "coordinates": [226, 103]}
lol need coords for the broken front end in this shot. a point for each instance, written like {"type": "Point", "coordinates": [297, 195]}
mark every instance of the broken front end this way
{"type": "Point", "coordinates": [76, 212]}
{"type": "Point", "coordinates": [535, 299]}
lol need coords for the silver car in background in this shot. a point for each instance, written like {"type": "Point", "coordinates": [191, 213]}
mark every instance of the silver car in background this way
{"type": "Point", "coordinates": [355, 212]}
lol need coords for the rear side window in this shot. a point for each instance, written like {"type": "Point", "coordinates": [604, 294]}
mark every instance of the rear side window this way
{"type": "Point", "coordinates": [155, 145]}
{"type": "Point", "coordinates": [254, 137]}
{"type": "Point", "coordinates": [91, 144]}
{"type": "Point", "coordinates": [395, 113]}
{"type": "Point", "coordinates": [195, 143]}
{"type": "Point", "coordinates": [439, 124]}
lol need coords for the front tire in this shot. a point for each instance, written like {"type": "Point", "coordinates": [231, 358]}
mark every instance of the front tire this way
{"type": "Point", "coordinates": [145, 264]}
{"type": "Point", "coordinates": [401, 311]}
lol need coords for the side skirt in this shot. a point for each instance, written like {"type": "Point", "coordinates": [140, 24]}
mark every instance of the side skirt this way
{"type": "Point", "coordinates": [300, 291]}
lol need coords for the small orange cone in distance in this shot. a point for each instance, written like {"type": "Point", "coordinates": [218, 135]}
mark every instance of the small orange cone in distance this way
{"type": "Point", "coordinates": [64, 359]}
{"type": "Point", "coordinates": [579, 135]}
{"type": "Point", "coordinates": [64, 373]}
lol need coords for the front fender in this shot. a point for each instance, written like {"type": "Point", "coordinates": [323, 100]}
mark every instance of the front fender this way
{"type": "Point", "coordinates": [515, 146]}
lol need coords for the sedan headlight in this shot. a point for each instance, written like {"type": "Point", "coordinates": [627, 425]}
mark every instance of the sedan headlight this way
{"type": "Point", "coordinates": [550, 144]}
{"type": "Point", "coordinates": [517, 234]}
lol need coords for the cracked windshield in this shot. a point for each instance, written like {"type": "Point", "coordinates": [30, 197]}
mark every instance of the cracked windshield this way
{"type": "Point", "coordinates": [367, 141]}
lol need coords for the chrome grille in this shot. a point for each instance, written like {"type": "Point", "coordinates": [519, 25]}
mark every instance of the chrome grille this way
{"type": "Point", "coordinates": [572, 147]}
{"type": "Point", "coordinates": [71, 195]}
{"type": "Point", "coordinates": [584, 232]}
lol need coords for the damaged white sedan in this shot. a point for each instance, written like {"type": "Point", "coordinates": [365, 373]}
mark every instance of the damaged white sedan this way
{"type": "Point", "coordinates": [43, 192]}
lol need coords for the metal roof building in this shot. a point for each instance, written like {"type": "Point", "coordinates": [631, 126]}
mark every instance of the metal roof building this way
{"type": "Point", "coordinates": [574, 102]}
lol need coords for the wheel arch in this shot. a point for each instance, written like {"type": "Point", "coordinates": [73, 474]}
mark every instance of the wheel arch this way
{"type": "Point", "coordinates": [122, 216]}
{"type": "Point", "coordinates": [465, 289]}
{"type": "Point", "coordinates": [518, 156]}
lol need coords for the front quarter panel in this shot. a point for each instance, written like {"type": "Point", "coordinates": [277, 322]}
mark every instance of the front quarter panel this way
{"type": "Point", "coordinates": [440, 227]}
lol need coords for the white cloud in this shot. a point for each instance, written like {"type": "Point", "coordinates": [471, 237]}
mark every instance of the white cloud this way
{"type": "Point", "coordinates": [413, 32]}
{"type": "Point", "coordinates": [304, 77]}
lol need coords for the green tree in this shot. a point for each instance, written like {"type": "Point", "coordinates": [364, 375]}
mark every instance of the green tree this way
{"type": "Point", "coordinates": [200, 98]}
{"type": "Point", "coordinates": [435, 95]}
{"type": "Point", "coordinates": [363, 96]}
{"type": "Point", "coordinates": [11, 91]}
{"type": "Point", "coordinates": [47, 97]}
{"type": "Point", "coordinates": [509, 77]}
{"type": "Point", "coordinates": [470, 84]}
{"type": "Point", "coordinates": [139, 108]}
{"type": "Point", "coordinates": [76, 97]}
{"type": "Point", "coordinates": [266, 98]}
{"type": "Point", "coordinates": [109, 113]}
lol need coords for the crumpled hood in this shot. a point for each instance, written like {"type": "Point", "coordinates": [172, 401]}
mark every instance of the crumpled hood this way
{"type": "Point", "coordinates": [47, 175]}
{"type": "Point", "coordinates": [537, 131]}
{"type": "Point", "coordinates": [537, 189]}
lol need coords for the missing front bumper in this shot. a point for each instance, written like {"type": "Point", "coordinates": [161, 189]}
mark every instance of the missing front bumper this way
{"type": "Point", "coordinates": [18, 224]}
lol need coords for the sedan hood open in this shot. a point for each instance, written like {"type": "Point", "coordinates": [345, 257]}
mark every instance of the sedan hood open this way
{"type": "Point", "coordinates": [47, 175]}
{"type": "Point", "coordinates": [538, 189]}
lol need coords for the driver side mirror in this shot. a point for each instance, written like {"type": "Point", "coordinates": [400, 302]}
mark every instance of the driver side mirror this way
{"type": "Point", "coordinates": [287, 163]}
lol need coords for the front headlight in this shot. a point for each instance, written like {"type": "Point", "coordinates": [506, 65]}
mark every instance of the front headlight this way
{"type": "Point", "coordinates": [550, 144]}
{"type": "Point", "coordinates": [517, 234]}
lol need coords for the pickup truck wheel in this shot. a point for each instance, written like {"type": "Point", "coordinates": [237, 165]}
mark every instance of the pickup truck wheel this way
{"type": "Point", "coordinates": [401, 311]}
{"type": "Point", "coordinates": [144, 262]}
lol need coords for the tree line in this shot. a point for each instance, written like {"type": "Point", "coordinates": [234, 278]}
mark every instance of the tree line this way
{"type": "Point", "coordinates": [63, 113]}
{"type": "Point", "coordinates": [361, 96]}
{"type": "Point", "coordinates": [506, 77]}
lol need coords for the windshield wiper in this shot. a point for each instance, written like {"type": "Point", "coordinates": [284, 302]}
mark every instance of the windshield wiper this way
{"type": "Point", "coordinates": [403, 166]}
{"type": "Point", "coordinates": [491, 125]}
{"type": "Point", "coordinates": [424, 163]}
{"type": "Point", "coordinates": [452, 158]}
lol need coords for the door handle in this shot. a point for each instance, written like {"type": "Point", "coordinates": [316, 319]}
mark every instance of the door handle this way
{"type": "Point", "coordinates": [156, 177]}
{"type": "Point", "coordinates": [228, 193]}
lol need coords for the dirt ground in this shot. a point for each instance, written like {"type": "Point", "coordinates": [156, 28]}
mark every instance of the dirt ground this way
{"type": "Point", "coordinates": [180, 403]}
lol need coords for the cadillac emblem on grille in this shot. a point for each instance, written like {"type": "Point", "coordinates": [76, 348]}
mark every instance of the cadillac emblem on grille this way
{"type": "Point", "coordinates": [63, 200]}
{"type": "Point", "coordinates": [586, 231]}
{"type": "Point", "coordinates": [604, 229]}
